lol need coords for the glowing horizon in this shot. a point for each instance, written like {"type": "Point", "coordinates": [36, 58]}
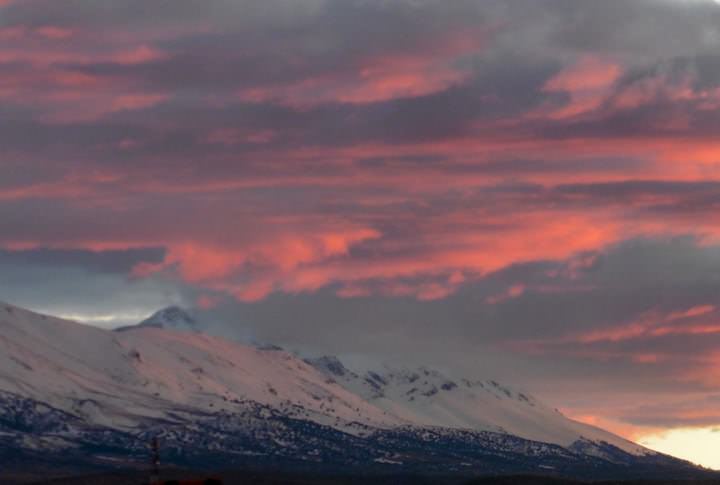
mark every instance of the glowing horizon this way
{"type": "Point", "coordinates": [698, 445]}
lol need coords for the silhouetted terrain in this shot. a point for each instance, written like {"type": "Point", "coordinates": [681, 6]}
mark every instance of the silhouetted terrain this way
{"type": "Point", "coordinates": [252, 478]}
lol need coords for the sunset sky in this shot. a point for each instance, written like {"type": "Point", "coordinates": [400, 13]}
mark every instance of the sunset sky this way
{"type": "Point", "coordinates": [520, 189]}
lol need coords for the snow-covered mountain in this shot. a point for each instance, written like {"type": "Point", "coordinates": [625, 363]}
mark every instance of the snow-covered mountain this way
{"type": "Point", "coordinates": [118, 379]}
{"type": "Point", "coordinates": [172, 318]}
{"type": "Point", "coordinates": [427, 397]}
{"type": "Point", "coordinates": [95, 395]}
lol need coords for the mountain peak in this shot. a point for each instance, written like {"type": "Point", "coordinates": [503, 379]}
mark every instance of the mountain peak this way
{"type": "Point", "coordinates": [172, 318]}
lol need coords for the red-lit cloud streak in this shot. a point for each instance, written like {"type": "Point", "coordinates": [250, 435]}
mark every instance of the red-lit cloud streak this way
{"type": "Point", "coordinates": [395, 151]}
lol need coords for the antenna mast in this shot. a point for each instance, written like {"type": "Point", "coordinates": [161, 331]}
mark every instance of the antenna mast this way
{"type": "Point", "coordinates": [155, 460]}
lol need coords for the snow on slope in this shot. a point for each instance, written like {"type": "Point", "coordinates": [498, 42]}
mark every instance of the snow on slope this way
{"type": "Point", "coordinates": [118, 379]}
{"type": "Point", "coordinates": [428, 397]}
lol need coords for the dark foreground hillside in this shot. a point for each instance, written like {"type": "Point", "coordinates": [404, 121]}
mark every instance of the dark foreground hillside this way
{"type": "Point", "coordinates": [251, 478]}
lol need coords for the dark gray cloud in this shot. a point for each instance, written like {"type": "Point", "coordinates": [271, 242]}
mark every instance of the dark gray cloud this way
{"type": "Point", "coordinates": [96, 297]}
{"type": "Point", "coordinates": [635, 281]}
{"type": "Point", "coordinates": [681, 413]}
{"type": "Point", "coordinates": [276, 45]}
{"type": "Point", "coordinates": [120, 261]}
{"type": "Point", "coordinates": [500, 185]}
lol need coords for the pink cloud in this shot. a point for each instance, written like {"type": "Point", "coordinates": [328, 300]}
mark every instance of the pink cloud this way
{"type": "Point", "coordinates": [137, 101]}
{"type": "Point", "coordinates": [232, 136]}
{"type": "Point", "coordinates": [589, 83]}
{"type": "Point", "coordinates": [207, 302]}
{"type": "Point", "coordinates": [138, 55]}
{"type": "Point", "coordinates": [54, 33]}
{"type": "Point", "coordinates": [454, 243]}
{"type": "Point", "coordinates": [392, 75]}
{"type": "Point", "coordinates": [275, 264]}
{"type": "Point", "coordinates": [655, 324]}
{"type": "Point", "coordinates": [512, 292]}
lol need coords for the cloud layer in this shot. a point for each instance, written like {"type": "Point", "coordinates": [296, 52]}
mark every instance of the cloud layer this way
{"type": "Point", "coordinates": [537, 177]}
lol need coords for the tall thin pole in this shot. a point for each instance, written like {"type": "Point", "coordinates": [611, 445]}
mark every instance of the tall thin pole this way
{"type": "Point", "coordinates": [155, 460]}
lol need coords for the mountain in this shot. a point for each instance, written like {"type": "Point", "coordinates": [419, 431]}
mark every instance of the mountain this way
{"type": "Point", "coordinates": [427, 397]}
{"type": "Point", "coordinates": [74, 395]}
{"type": "Point", "coordinates": [172, 317]}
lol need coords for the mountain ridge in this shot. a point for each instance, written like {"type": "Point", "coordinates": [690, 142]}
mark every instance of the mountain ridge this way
{"type": "Point", "coordinates": [83, 388]}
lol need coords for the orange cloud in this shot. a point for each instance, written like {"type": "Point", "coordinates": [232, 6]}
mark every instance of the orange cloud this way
{"type": "Point", "coordinates": [602, 418]}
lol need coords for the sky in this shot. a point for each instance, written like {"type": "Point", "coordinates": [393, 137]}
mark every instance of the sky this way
{"type": "Point", "coordinates": [520, 189]}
